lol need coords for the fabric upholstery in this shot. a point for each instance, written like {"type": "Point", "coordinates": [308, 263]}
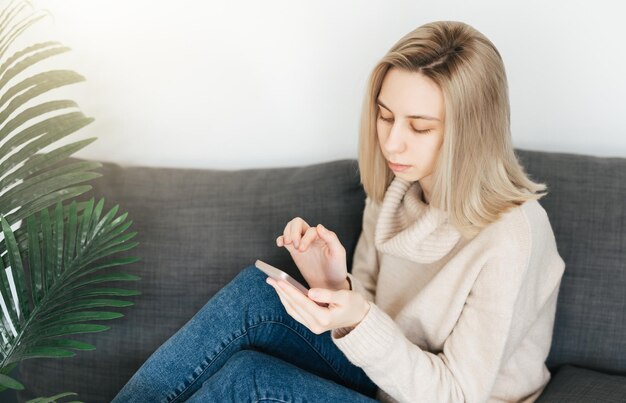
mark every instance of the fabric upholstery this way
{"type": "Point", "coordinates": [197, 228]}
{"type": "Point", "coordinates": [579, 385]}
{"type": "Point", "coordinates": [587, 210]}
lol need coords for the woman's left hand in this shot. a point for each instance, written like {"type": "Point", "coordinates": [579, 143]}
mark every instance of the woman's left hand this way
{"type": "Point", "coordinates": [345, 308]}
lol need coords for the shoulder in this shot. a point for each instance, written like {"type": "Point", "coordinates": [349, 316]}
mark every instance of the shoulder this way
{"type": "Point", "coordinates": [520, 231]}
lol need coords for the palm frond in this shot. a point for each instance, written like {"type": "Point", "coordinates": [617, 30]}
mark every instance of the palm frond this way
{"type": "Point", "coordinates": [50, 268]}
{"type": "Point", "coordinates": [53, 399]}
{"type": "Point", "coordinates": [49, 289]}
{"type": "Point", "coordinates": [8, 382]}
{"type": "Point", "coordinates": [11, 29]}
{"type": "Point", "coordinates": [27, 127]}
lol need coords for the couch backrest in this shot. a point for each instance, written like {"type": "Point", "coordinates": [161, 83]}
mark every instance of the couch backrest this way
{"type": "Point", "coordinates": [587, 209]}
{"type": "Point", "coordinates": [198, 228]}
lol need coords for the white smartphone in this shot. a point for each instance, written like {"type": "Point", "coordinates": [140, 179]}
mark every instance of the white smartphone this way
{"type": "Point", "coordinates": [278, 274]}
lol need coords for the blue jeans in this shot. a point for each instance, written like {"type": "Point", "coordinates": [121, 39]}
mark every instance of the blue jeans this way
{"type": "Point", "coordinates": [243, 346]}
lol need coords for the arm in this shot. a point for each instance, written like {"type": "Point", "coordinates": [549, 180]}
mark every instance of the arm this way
{"type": "Point", "coordinates": [466, 369]}
{"type": "Point", "coordinates": [364, 273]}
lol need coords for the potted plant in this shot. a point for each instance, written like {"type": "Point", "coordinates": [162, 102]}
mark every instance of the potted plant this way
{"type": "Point", "coordinates": [53, 262]}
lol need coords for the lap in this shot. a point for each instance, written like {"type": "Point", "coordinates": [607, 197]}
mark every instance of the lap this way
{"type": "Point", "coordinates": [246, 314]}
{"type": "Point", "coordinates": [273, 331]}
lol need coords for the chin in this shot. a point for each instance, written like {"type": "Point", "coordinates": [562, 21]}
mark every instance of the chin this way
{"type": "Point", "coordinates": [407, 176]}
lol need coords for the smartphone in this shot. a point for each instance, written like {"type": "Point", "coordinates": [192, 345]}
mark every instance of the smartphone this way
{"type": "Point", "coordinates": [278, 274]}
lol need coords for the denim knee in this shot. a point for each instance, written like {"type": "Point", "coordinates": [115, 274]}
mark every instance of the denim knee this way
{"type": "Point", "coordinates": [255, 296]}
{"type": "Point", "coordinates": [245, 363]}
{"type": "Point", "coordinates": [250, 276]}
{"type": "Point", "coordinates": [252, 280]}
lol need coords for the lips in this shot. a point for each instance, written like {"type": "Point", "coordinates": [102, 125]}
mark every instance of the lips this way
{"type": "Point", "coordinates": [398, 167]}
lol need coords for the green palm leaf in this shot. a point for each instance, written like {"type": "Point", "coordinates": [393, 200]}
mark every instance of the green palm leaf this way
{"type": "Point", "coordinates": [52, 268]}
{"type": "Point", "coordinates": [61, 290]}
{"type": "Point", "coordinates": [10, 30]}
{"type": "Point", "coordinates": [9, 382]}
{"type": "Point", "coordinates": [27, 127]}
{"type": "Point", "coordinates": [52, 399]}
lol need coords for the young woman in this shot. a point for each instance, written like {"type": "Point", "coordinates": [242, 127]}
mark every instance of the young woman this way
{"type": "Point", "coordinates": [456, 273]}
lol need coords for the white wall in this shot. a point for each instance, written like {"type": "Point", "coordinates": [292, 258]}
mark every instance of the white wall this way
{"type": "Point", "coordinates": [237, 84]}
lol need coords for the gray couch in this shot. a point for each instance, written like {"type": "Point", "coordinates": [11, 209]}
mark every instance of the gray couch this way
{"type": "Point", "coordinates": [198, 228]}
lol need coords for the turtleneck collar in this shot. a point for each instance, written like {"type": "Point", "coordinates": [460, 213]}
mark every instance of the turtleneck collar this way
{"type": "Point", "coordinates": [409, 228]}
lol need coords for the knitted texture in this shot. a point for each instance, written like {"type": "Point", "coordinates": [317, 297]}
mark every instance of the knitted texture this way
{"type": "Point", "coordinates": [411, 229]}
{"type": "Point", "coordinates": [452, 319]}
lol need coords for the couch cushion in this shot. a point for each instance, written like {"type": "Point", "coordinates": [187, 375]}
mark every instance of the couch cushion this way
{"type": "Point", "coordinates": [571, 384]}
{"type": "Point", "coordinates": [587, 210]}
{"type": "Point", "coordinates": [197, 229]}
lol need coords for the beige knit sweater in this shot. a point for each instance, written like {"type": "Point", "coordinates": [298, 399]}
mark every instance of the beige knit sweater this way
{"type": "Point", "coordinates": [451, 319]}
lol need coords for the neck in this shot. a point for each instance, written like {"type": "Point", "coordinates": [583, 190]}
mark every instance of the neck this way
{"type": "Point", "coordinates": [425, 189]}
{"type": "Point", "coordinates": [409, 228]}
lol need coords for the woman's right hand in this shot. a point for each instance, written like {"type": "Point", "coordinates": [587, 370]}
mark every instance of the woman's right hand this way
{"type": "Point", "coordinates": [317, 252]}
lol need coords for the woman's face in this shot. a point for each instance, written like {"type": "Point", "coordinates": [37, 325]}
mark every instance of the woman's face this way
{"type": "Point", "coordinates": [410, 123]}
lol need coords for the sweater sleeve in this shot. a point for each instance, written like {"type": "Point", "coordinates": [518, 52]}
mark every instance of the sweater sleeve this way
{"type": "Point", "coordinates": [364, 273]}
{"type": "Point", "coordinates": [466, 369]}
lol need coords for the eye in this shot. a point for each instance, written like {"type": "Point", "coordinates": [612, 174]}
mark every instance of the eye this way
{"type": "Point", "coordinates": [415, 130]}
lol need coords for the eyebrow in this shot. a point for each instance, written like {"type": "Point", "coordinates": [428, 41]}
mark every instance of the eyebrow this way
{"type": "Point", "coordinates": [378, 101]}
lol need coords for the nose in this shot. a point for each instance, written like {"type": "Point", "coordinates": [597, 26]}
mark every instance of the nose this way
{"type": "Point", "coordinates": [395, 142]}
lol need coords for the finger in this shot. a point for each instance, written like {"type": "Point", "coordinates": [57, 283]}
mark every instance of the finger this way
{"type": "Point", "coordinates": [310, 321]}
{"type": "Point", "coordinates": [294, 313]}
{"type": "Point", "coordinates": [280, 241]}
{"type": "Point", "coordinates": [340, 304]}
{"type": "Point", "coordinates": [337, 297]}
{"type": "Point", "coordinates": [281, 294]}
{"type": "Point", "coordinates": [288, 246]}
{"type": "Point", "coordinates": [287, 233]}
{"type": "Point", "coordinates": [309, 310]}
{"type": "Point", "coordinates": [309, 236]}
{"type": "Point", "coordinates": [291, 305]}
{"type": "Point", "coordinates": [297, 228]}
{"type": "Point", "coordinates": [331, 239]}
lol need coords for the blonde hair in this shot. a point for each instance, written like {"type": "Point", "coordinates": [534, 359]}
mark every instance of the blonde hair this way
{"type": "Point", "coordinates": [477, 175]}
